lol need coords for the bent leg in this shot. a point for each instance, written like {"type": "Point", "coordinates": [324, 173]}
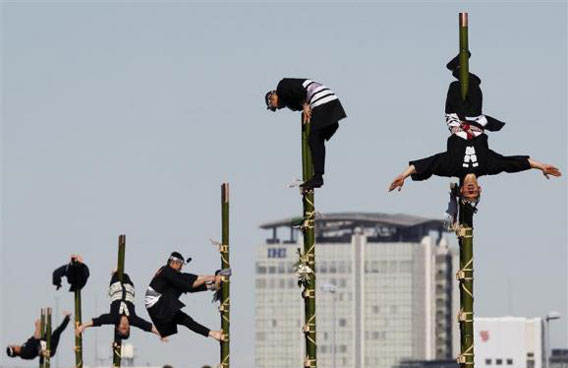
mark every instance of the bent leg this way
{"type": "Point", "coordinates": [316, 142]}
{"type": "Point", "coordinates": [185, 320]}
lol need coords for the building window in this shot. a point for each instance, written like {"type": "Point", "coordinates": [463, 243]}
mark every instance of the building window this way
{"type": "Point", "coordinates": [281, 267]}
{"type": "Point", "coordinates": [342, 322]}
{"type": "Point", "coordinates": [260, 269]}
{"type": "Point", "coordinates": [271, 269]}
{"type": "Point", "coordinates": [260, 283]}
{"type": "Point", "coordinates": [499, 361]}
{"type": "Point", "coordinates": [323, 267]}
{"type": "Point", "coordinates": [488, 361]}
{"type": "Point", "coordinates": [530, 363]}
{"type": "Point", "coordinates": [376, 309]}
{"type": "Point", "coordinates": [342, 348]}
{"type": "Point", "coordinates": [333, 267]}
{"type": "Point", "coordinates": [509, 361]}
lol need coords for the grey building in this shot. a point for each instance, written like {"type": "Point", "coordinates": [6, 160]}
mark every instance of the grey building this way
{"type": "Point", "coordinates": [393, 298]}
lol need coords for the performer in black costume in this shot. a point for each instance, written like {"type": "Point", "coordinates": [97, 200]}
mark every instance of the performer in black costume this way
{"type": "Point", "coordinates": [468, 155]}
{"type": "Point", "coordinates": [122, 310]}
{"type": "Point", "coordinates": [320, 106]}
{"type": "Point", "coordinates": [162, 297]}
{"type": "Point", "coordinates": [76, 272]}
{"type": "Point", "coordinates": [32, 348]}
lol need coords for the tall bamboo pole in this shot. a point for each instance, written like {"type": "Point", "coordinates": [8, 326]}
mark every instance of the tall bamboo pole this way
{"type": "Point", "coordinates": [309, 255]}
{"type": "Point", "coordinates": [117, 345]}
{"type": "Point", "coordinates": [42, 331]}
{"type": "Point", "coordinates": [78, 322]}
{"type": "Point", "coordinates": [465, 229]}
{"type": "Point", "coordinates": [464, 55]}
{"type": "Point", "coordinates": [47, 357]}
{"type": "Point", "coordinates": [225, 306]}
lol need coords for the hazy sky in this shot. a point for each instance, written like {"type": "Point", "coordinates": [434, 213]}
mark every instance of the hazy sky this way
{"type": "Point", "coordinates": [126, 117]}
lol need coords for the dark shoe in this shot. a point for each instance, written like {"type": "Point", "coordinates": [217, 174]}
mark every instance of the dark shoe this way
{"type": "Point", "coordinates": [455, 62]}
{"type": "Point", "coordinates": [315, 182]}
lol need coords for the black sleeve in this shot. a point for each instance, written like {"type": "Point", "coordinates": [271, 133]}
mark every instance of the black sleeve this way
{"type": "Point", "coordinates": [30, 349]}
{"type": "Point", "coordinates": [199, 288]}
{"type": "Point", "coordinates": [510, 164]}
{"type": "Point", "coordinates": [141, 323]}
{"type": "Point", "coordinates": [291, 93]}
{"type": "Point", "coordinates": [181, 281]}
{"type": "Point", "coordinates": [103, 319]}
{"type": "Point", "coordinates": [439, 164]}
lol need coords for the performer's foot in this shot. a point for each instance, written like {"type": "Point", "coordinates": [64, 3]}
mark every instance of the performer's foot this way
{"type": "Point", "coordinates": [315, 182]}
{"type": "Point", "coordinates": [455, 62]}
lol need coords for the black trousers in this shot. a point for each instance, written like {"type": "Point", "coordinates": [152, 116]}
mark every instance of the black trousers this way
{"type": "Point", "coordinates": [316, 141]}
{"type": "Point", "coordinates": [184, 320]}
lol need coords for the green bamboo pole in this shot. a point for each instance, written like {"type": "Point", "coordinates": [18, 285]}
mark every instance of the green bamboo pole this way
{"type": "Point", "coordinates": [47, 357]}
{"type": "Point", "coordinates": [464, 55]}
{"type": "Point", "coordinates": [309, 293]}
{"type": "Point", "coordinates": [78, 322]}
{"type": "Point", "coordinates": [117, 345]}
{"type": "Point", "coordinates": [42, 332]}
{"type": "Point", "coordinates": [225, 306]}
{"type": "Point", "coordinates": [465, 230]}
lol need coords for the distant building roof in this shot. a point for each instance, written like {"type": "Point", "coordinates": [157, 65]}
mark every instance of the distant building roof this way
{"type": "Point", "coordinates": [340, 226]}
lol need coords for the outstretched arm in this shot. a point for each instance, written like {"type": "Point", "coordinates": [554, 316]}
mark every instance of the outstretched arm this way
{"type": "Point", "coordinates": [79, 330]}
{"type": "Point", "coordinates": [203, 279]}
{"type": "Point", "coordinates": [545, 168]}
{"type": "Point", "coordinates": [398, 182]}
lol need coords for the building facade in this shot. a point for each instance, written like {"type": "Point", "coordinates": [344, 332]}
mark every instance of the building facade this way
{"type": "Point", "coordinates": [509, 342]}
{"type": "Point", "coordinates": [388, 292]}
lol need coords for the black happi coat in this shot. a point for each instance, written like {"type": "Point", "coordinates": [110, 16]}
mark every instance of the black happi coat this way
{"type": "Point", "coordinates": [472, 105]}
{"type": "Point", "coordinates": [463, 157]}
{"type": "Point", "coordinates": [30, 349]}
{"type": "Point", "coordinates": [170, 284]}
{"type": "Point", "coordinates": [122, 306]}
{"type": "Point", "coordinates": [292, 94]}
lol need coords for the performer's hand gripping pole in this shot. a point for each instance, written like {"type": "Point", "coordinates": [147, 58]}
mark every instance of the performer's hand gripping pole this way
{"type": "Point", "coordinates": [308, 257]}
{"type": "Point", "coordinates": [117, 345]}
{"type": "Point", "coordinates": [225, 302]}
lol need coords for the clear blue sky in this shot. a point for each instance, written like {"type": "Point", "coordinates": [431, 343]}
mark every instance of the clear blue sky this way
{"type": "Point", "coordinates": [126, 118]}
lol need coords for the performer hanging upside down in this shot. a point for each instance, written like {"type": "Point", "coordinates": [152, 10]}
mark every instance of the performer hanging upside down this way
{"type": "Point", "coordinates": [320, 106]}
{"type": "Point", "coordinates": [33, 347]}
{"type": "Point", "coordinates": [122, 311]}
{"type": "Point", "coordinates": [162, 297]}
{"type": "Point", "coordinates": [468, 155]}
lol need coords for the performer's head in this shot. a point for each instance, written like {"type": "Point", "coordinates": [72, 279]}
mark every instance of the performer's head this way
{"type": "Point", "coordinates": [176, 261]}
{"type": "Point", "coordinates": [123, 328]}
{"type": "Point", "coordinates": [13, 350]}
{"type": "Point", "coordinates": [271, 99]}
{"type": "Point", "coordinates": [470, 188]}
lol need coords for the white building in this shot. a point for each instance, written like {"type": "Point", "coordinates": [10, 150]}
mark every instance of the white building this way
{"type": "Point", "coordinates": [394, 299]}
{"type": "Point", "coordinates": [508, 342]}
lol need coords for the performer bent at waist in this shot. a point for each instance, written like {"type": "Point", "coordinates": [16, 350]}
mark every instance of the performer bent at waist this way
{"type": "Point", "coordinates": [122, 310]}
{"type": "Point", "coordinates": [32, 348]}
{"type": "Point", "coordinates": [320, 106]}
{"type": "Point", "coordinates": [162, 297]}
{"type": "Point", "coordinates": [468, 156]}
